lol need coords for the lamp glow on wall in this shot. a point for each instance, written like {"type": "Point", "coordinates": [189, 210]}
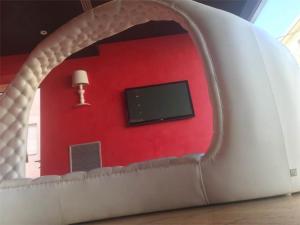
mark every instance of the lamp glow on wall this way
{"type": "Point", "coordinates": [80, 80]}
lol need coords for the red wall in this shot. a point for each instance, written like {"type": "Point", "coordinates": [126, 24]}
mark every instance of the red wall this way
{"type": "Point", "coordinates": [119, 66]}
{"type": "Point", "coordinates": [9, 66]}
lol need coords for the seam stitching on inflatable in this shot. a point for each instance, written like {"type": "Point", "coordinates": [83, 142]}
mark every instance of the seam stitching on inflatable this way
{"type": "Point", "coordinates": [62, 219]}
{"type": "Point", "coordinates": [274, 99]}
{"type": "Point", "coordinates": [218, 117]}
{"type": "Point", "coordinates": [202, 184]}
{"type": "Point", "coordinates": [216, 142]}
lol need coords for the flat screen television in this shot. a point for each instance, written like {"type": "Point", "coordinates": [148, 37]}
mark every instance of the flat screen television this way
{"type": "Point", "coordinates": [156, 103]}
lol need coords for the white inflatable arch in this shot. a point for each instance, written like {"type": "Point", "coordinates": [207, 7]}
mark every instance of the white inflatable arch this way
{"type": "Point", "coordinates": [254, 87]}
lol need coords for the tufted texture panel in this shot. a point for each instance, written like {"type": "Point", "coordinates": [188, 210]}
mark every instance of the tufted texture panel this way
{"type": "Point", "coordinates": [82, 31]}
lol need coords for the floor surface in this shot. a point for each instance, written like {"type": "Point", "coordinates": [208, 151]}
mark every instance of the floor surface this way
{"type": "Point", "coordinates": [283, 210]}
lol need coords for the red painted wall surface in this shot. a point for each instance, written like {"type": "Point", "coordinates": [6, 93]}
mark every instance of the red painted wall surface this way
{"type": "Point", "coordinates": [119, 66]}
{"type": "Point", "coordinates": [9, 66]}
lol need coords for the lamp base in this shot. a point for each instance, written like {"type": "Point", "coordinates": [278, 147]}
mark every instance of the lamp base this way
{"type": "Point", "coordinates": [82, 104]}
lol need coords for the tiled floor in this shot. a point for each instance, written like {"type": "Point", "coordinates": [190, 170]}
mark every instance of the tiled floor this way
{"type": "Point", "coordinates": [283, 210]}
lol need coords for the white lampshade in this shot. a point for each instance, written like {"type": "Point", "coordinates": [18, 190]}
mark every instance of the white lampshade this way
{"type": "Point", "coordinates": [80, 77]}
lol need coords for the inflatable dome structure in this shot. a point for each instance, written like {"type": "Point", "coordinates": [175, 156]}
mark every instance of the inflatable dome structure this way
{"type": "Point", "coordinates": [254, 86]}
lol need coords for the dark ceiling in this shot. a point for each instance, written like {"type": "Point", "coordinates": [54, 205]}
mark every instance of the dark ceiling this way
{"type": "Point", "coordinates": [22, 21]}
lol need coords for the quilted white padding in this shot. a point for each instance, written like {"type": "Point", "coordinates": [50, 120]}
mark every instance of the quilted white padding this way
{"type": "Point", "coordinates": [82, 31]}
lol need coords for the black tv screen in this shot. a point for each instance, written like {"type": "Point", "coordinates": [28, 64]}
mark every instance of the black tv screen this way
{"type": "Point", "coordinates": [162, 102]}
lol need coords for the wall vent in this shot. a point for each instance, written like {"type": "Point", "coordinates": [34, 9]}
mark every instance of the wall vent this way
{"type": "Point", "coordinates": [85, 157]}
